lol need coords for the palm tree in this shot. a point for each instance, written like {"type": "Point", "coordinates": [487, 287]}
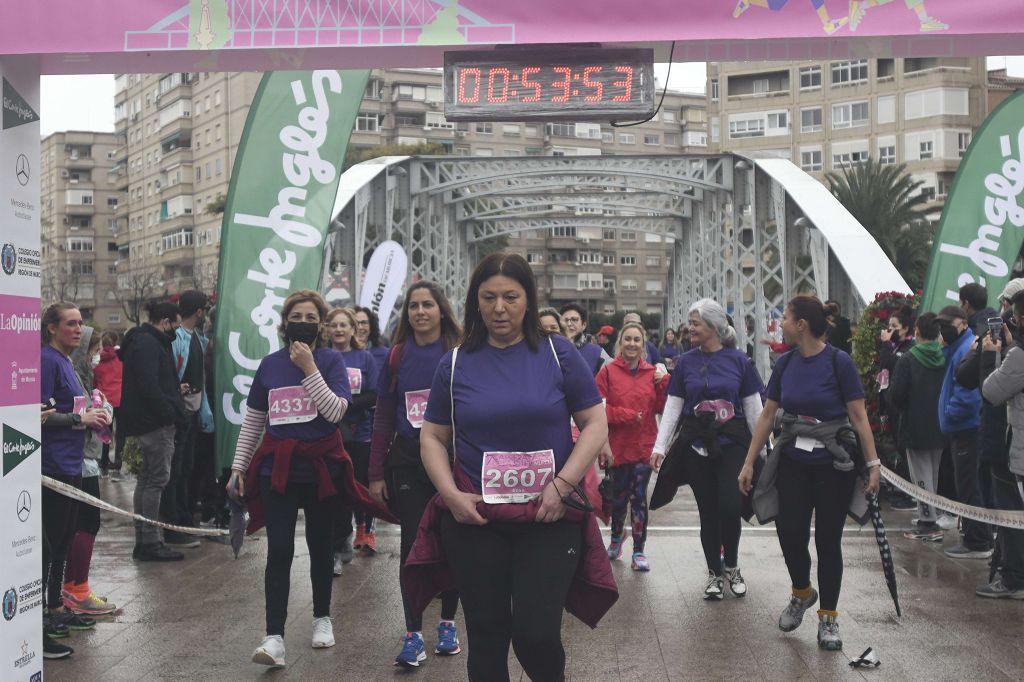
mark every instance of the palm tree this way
{"type": "Point", "coordinates": [885, 199]}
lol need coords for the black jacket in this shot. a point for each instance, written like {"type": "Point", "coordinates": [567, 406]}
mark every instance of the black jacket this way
{"type": "Point", "coordinates": [914, 394]}
{"type": "Point", "coordinates": [150, 390]}
{"type": "Point", "coordinates": [972, 372]}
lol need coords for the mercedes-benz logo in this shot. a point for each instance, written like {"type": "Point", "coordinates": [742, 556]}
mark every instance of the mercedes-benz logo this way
{"type": "Point", "coordinates": [24, 506]}
{"type": "Point", "coordinates": [22, 169]}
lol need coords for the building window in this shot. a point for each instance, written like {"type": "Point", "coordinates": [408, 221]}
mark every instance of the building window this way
{"type": "Point", "coordinates": [671, 140]}
{"type": "Point", "coordinates": [936, 102]}
{"type": "Point", "coordinates": [607, 259]}
{"type": "Point", "coordinates": [216, 132]}
{"type": "Point", "coordinates": [627, 138]}
{"type": "Point", "coordinates": [845, 73]}
{"type": "Point", "coordinates": [652, 286]}
{"type": "Point", "coordinates": [533, 257]}
{"type": "Point", "coordinates": [80, 244]}
{"type": "Point", "coordinates": [373, 89]}
{"type": "Point", "coordinates": [848, 158]}
{"type": "Point", "coordinates": [653, 261]}
{"type": "Point", "coordinates": [484, 128]}
{"type": "Point", "coordinates": [886, 109]}
{"type": "Point", "coordinates": [810, 120]}
{"type": "Point", "coordinates": [927, 149]}
{"type": "Point", "coordinates": [714, 89]}
{"type": "Point", "coordinates": [751, 127]}
{"type": "Point", "coordinates": [112, 201]}
{"type": "Point", "coordinates": [778, 121]}
{"type": "Point", "coordinates": [652, 139]}
{"type": "Point", "coordinates": [628, 284]}
{"type": "Point", "coordinates": [627, 235]}
{"type": "Point", "coordinates": [564, 231]}
{"type": "Point", "coordinates": [716, 129]}
{"type": "Point", "coordinates": [368, 123]}
{"type": "Point", "coordinates": [627, 260]}
{"type": "Point", "coordinates": [810, 78]}
{"type": "Point", "coordinates": [761, 86]}
{"type": "Point", "coordinates": [668, 116]}
{"type": "Point", "coordinates": [216, 98]}
{"type": "Point", "coordinates": [887, 154]}
{"type": "Point", "coordinates": [607, 137]}
{"type": "Point", "coordinates": [850, 115]}
{"type": "Point", "coordinates": [963, 141]}
{"type": "Point", "coordinates": [810, 161]}
{"type": "Point", "coordinates": [81, 267]}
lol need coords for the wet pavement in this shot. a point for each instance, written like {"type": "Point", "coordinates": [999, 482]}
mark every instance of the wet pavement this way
{"type": "Point", "coordinates": [201, 618]}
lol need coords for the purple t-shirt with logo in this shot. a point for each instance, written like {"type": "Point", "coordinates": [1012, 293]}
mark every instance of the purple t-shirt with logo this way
{"type": "Point", "coordinates": [818, 387]}
{"type": "Point", "coordinates": [726, 374]}
{"type": "Point", "coordinates": [63, 447]}
{"type": "Point", "coordinates": [361, 421]}
{"type": "Point", "coordinates": [415, 373]}
{"type": "Point", "coordinates": [278, 371]}
{"type": "Point", "coordinates": [512, 400]}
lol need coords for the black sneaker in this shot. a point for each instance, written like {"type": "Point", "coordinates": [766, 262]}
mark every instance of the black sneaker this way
{"type": "Point", "coordinates": [158, 552]}
{"type": "Point", "coordinates": [52, 649]}
{"type": "Point", "coordinates": [53, 627]}
{"type": "Point", "coordinates": [903, 503]}
{"type": "Point", "coordinates": [74, 621]}
{"type": "Point", "coordinates": [175, 539]}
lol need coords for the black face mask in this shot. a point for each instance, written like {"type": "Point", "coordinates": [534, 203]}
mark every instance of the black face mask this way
{"type": "Point", "coordinates": [171, 333]}
{"type": "Point", "coordinates": [306, 332]}
{"type": "Point", "coordinates": [949, 334]}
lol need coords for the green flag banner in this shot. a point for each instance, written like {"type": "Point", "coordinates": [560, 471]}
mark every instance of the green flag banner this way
{"type": "Point", "coordinates": [276, 216]}
{"type": "Point", "coordinates": [980, 233]}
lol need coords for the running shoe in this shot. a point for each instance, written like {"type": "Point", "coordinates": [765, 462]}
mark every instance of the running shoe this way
{"type": "Point", "coordinates": [270, 652]}
{"type": "Point", "coordinates": [447, 639]}
{"type": "Point", "coordinates": [926, 532]}
{"type": "Point", "coordinates": [74, 621]}
{"type": "Point", "coordinates": [713, 588]}
{"type": "Point", "coordinates": [358, 543]}
{"type": "Point", "coordinates": [347, 551]}
{"type": "Point", "coordinates": [413, 652]}
{"type": "Point", "coordinates": [54, 628]}
{"type": "Point", "coordinates": [323, 633]}
{"type": "Point", "coordinates": [903, 503]}
{"type": "Point", "coordinates": [856, 14]}
{"type": "Point", "coordinates": [947, 522]}
{"type": "Point", "coordinates": [615, 548]}
{"type": "Point", "coordinates": [53, 650]}
{"type": "Point", "coordinates": [640, 562]}
{"type": "Point", "coordinates": [369, 544]}
{"type": "Point", "coordinates": [736, 584]}
{"type": "Point", "coordinates": [998, 590]}
{"type": "Point", "coordinates": [833, 25]}
{"type": "Point", "coordinates": [961, 551]}
{"type": "Point", "coordinates": [929, 25]}
{"type": "Point", "coordinates": [741, 7]}
{"type": "Point", "coordinates": [115, 476]}
{"type": "Point", "coordinates": [173, 538]}
{"type": "Point", "coordinates": [793, 614]}
{"type": "Point", "coordinates": [90, 605]}
{"type": "Point", "coordinates": [828, 633]}
{"type": "Point", "coordinates": [338, 564]}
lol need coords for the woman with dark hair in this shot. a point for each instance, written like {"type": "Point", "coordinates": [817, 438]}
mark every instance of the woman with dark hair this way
{"type": "Point", "coordinates": [108, 379]}
{"type": "Point", "coordinates": [356, 427]}
{"type": "Point", "coordinates": [893, 341]}
{"type": "Point", "coordinates": [63, 451]}
{"type": "Point", "coordinates": [807, 471]}
{"type": "Point", "coordinates": [426, 331]}
{"type": "Point", "coordinates": [298, 397]}
{"type": "Point", "coordinates": [368, 334]}
{"type": "Point", "coordinates": [503, 401]}
{"type": "Point", "coordinates": [669, 348]}
{"type": "Point", "coordinates": [714, 400]}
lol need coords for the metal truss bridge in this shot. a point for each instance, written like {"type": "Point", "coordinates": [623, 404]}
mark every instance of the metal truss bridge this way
{"type": "Point", "coordinates": [748, 232]}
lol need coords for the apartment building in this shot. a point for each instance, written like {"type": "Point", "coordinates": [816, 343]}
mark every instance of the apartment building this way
{"type": "Point", "coordinates": [178, 135]}
{"type": "Point", "coordinates": [79, 226]}
{"type": "Point", "coordinates": [822, 115]}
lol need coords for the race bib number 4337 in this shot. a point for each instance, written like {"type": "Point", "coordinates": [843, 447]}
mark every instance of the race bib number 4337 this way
{"type": "Point", "coordinates": [290, 405]}
{"type": "Point", "coordinates": [515, 476]}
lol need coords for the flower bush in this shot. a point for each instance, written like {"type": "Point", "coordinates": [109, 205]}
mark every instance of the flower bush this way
{"type": "Point", "coordinates": [873, 320]}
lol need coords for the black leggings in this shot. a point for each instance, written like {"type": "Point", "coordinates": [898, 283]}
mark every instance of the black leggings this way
{"type": "Point", "coordinates": [359, 453]}
{"type": "Point", "coordinates": [819, 488]}
{"type": "Point", "coordinates": [59, 521]}
{"type": "Point", "coordinates": [713, 480]}
{"type": "Point", "coordinates": [88, 515]}
{"type": "Point", "coordinates": [410, 491]}
{"type": "Point", "coordinates": [513, 579]}
{"type": "Point", "coordinates": [281, 512]}
{"type": "Point", "coordinates": [119, 438]}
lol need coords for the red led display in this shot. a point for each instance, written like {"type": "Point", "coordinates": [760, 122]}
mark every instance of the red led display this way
{"type": "Point", "coordinates": [575, 83]}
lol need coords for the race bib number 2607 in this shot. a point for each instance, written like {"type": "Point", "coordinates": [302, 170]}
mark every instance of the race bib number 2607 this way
{"type": "Point", "coordinates": [515, 476]}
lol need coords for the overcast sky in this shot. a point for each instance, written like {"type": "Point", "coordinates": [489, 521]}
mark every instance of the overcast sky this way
{"type": "Point", "coordinates": [87, 102]}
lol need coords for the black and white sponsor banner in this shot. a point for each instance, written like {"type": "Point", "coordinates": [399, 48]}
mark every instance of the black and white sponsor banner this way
{"type": "Point", "coordinates": [21, 655]}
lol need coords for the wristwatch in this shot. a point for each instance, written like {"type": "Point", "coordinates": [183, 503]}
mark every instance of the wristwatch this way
{"type": "Point", "coordinates": [76, 419]}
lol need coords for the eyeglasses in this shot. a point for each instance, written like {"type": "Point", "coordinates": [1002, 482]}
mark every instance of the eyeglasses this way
{"type": "Point", "coordinates": [567, 320]}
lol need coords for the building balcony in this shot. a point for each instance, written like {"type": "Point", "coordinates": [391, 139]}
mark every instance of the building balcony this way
{"type": "Point", "coordinates": [80, 209]}
{"type": "Point", "coordinates": [180, 127]}
{"type": "Point", "coordinates": [177, 222]}
{"type": "Point", "coordinates": [578, 294]}
{"type": "Point", "coordinates": [562, 242]}
{"type": "Point", "coordinates": [75, 161]}
{"type": "Point", "coordinates": [179, 255]}
{"type": "Point", "coordinates": [118, 177]}
{"type": "Point", "coordinates": [177, 155]}
{"type": "Point", "coordinates": [177, 92]}
{"type": "Point", "coordinates": [174, 189]}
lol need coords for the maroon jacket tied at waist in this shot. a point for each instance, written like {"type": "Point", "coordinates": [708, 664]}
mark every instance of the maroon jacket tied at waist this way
{"type": "Point", "coordinates": [427, 574]}
{"type": "Point", "coordinates": [318, 451]}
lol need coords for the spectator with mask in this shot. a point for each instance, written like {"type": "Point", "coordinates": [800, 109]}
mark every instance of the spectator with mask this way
{"type": "Point", "coordinates": [959, 420]}
{"type": "Point", "coordinates": [152, 406]}
{"type": "Point", "coordinates": [574, 317]}
{"type": "Point", "coordinates": [893, 342]}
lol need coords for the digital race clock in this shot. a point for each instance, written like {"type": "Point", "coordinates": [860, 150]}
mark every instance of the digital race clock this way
{"type": "Point", "coordinates": [576, 83]}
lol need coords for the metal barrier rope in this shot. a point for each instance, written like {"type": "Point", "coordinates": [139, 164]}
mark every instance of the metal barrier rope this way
{"type": "Point", "coordinates": [74, 493]}
{"type": "Point", "coordinates": [995, 517]}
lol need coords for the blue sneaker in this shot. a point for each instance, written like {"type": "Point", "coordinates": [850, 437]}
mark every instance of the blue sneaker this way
{"type": "Point", "coordinates": [447, 639]}
{"type": "Point", "coordinates": [615, 548]}
{"type": "Point", "coordinates": [412, 651]}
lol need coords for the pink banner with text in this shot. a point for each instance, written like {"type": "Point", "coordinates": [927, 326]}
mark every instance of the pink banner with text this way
{"type": "Point", "coordinates": [209, 34]}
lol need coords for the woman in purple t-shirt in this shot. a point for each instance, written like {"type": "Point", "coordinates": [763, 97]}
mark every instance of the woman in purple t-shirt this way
{"type": "Point", "coordinates": [714, 388]}
{"type": "Point", "coordinates": [298, 397]}
{"type": "Point", "coordinates": [816, 383]}
{"type": "Point", "coordinates": [510, 390]}
{"type": "Point", "coordinates": [426, 331]}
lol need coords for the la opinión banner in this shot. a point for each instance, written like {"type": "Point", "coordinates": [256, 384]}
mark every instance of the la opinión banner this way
{"type": "Point", "coordinates": [276, 217]}
{"type": "Point", "coordinates": [980, 234]}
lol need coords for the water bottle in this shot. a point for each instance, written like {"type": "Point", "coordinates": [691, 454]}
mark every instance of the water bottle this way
{"type": "Point", "coordinates": [103, 432]}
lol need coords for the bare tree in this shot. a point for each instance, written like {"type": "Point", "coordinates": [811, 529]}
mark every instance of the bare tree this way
{"type": "Point", "coordinates": [135, 289]}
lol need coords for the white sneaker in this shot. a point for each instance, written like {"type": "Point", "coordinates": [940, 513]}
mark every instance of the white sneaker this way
{"type": "Point", "coordinates": [323, 633]}
{"type": "Point", "coordinates": [735, 580]}
{"type": "Point", "coordinates": [338, 565]}
{"type": "Point", "coordinates": [946, 522]}
{"type": "Point", "coordinates": [270, 652]}
{"type": "Point", "coordinates": [713, 588]}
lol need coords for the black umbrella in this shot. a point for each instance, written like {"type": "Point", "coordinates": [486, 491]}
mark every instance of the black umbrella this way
{"type": "Point", "coordinates": [239, 522]}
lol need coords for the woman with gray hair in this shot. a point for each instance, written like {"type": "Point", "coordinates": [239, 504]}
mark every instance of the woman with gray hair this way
{"type": "Point", "coordinates": [714, 400]}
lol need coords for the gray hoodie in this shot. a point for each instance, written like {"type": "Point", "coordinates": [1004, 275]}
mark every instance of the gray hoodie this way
{"type": "Point", "coordinates": [1004, 385]}
{"type": "Point", "coordinates": [82, 362]}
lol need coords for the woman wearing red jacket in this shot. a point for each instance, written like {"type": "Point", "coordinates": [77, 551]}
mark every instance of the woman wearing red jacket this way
{"type": "Point", "coordinates": [107, 372]}
{"type": "Point", "coordinates": [634, 392]}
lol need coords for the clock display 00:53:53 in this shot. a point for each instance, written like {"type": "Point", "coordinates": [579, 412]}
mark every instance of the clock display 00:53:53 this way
{"type": "Point", "coordinates": [548, 84]}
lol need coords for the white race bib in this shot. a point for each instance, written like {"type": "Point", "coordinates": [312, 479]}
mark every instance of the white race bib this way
{"type": "Point", "coordinates": [355, 380]}
{"type": "Point", "coordinates": [290, 405]}
{"type": "Point", "coordinates": [515, 476]}
{"type": "Point", "coordinates": [416, 407]}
